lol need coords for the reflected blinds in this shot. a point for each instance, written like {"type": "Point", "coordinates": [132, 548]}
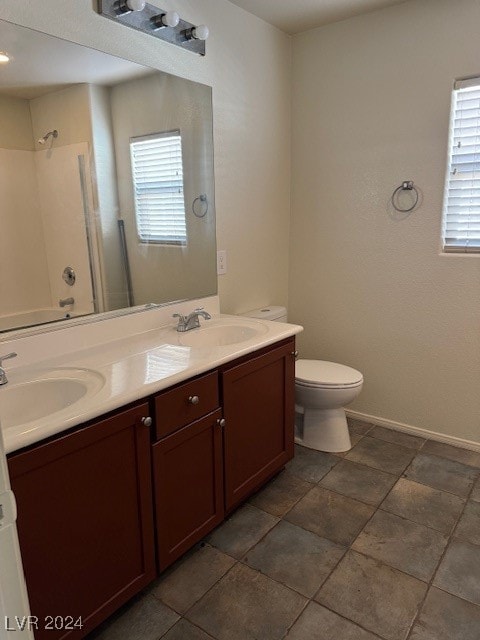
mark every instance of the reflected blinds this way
{"type": "Point", "coordinates": [461, 214]}
{"type": "Point", "coordinates": [157, 172]}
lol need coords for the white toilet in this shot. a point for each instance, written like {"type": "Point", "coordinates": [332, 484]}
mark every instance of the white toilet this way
{"type": "Point", "coordinates": [322, 389]}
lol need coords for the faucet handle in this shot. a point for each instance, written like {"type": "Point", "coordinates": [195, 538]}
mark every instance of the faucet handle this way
{"type": "Point", "coordinates": [8, 356]}
{"type": "Point", "coordinates": [179, 316]}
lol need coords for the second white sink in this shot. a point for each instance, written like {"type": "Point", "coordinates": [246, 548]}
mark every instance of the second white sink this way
{"type": "Point", "coordinates": [222, 332]}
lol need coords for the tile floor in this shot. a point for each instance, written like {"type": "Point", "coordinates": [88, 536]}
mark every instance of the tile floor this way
{"type": "Point", "coordinates": [380, 543]}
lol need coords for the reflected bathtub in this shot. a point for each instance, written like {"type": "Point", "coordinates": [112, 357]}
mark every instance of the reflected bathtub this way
{"type": "Point", "coordinates": [33, 318]}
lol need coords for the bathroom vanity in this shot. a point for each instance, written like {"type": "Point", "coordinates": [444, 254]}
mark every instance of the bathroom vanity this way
{"type": "Point", "coordinates": [110, 502]}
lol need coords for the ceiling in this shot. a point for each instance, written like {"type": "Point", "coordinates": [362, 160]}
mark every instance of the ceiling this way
{"type": "Point", "coordinates": [300, 15]}
{"type": "Point", "coordinates": [40, 64]}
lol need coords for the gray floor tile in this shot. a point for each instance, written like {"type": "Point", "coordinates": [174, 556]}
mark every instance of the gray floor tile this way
{"type": "Point", "coordinates": [246, 605]}
{"type": "Point", "coordinates": [377, 597]}
{"type": "Point", "coordinates": [359, 426]}
{"type": "Point", "coordinates": [281, 494]}
{"type": "Point", "coordinates": [185, 630]}
{"type": "Point", "coordinates": [192, 577]}
{"type": "Point", "coordinates": [354, 438]}
{"type": "Point", "coordinates": [359, 482]}
{"type": "Point", "coordinates": [330, 515]}
{"type": "Point", "coordinates": [469, 526]}
{"type": "Point", "coordinates": [445, 617]}
{"type": "Point", "coordinates": [465, 456]}
{"type": "Point", "coordinates": [297, 558]}
{"type": "Point", "coordinates": [397, 437]}
{"type": "Point", "coordinates": [381, 455]}
{"type": "Point", "coordinates": [311, 465]}
{"type": "Point", "coordinates": [402, 544]}
{"type": "Point", "coordinates": [242, 530]}
{"type": "Point", "coordinates": [425, 505]}
{"type": "Point", "coordinates": [459, 571]}
{"type": "Point", "coordinates": [476, 492]}
{"type": "Point", "coordinates": [144, 618]}
{"type": "Point", "coordinates": [443, 474]}
{"type": "Point", "coordinates": [318, 623]}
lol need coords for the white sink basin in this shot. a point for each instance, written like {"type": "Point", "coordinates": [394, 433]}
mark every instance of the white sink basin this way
{"type": "Point", "coordinates": [24, 401]}
{"type": "Point", "coordinates": [220, 333]}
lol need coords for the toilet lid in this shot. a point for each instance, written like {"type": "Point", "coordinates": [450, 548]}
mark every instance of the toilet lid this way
{"type": "Point", "coordinates": [326, 374]}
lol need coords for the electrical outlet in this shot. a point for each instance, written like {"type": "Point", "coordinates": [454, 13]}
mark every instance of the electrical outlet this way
{"type": "Point", "coordinates": [221, 262]}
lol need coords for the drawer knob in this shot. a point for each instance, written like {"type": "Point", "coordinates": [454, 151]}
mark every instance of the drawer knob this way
{"type": "Point", "coordinates": [221, 422]}
{"type": "Point", "coordinates": [194, 400]}
{"type": "Point", "coordinates": [147, 421]}
{"type": "Point", "coordinates": [295, 354]}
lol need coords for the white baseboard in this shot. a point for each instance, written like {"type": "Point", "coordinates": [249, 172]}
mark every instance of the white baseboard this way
{"type": "Point", "coordinates": [414, 431]}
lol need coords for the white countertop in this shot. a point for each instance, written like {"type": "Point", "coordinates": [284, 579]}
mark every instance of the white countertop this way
{"type": "Point", "coordinates": [130, 369]}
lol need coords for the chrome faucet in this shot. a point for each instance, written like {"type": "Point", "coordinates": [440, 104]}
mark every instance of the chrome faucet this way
{"type": "Point", "coordinates": [192, 321]}
{"type": "Point", "coordinates": [64, 302]}
{"type": "Point", "coordinates": [3, 375]}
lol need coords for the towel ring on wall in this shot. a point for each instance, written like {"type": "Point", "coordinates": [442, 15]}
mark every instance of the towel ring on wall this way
{"type": "Point", "coordinates": [407, 185]}
{"type": "Point", "coordinates": [203, 200]}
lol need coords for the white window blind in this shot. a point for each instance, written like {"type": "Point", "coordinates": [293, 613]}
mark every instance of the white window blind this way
{"type": "Point", "coordinates": [461, 211]}
{"type": "Point", "coordinates": [157, 171]}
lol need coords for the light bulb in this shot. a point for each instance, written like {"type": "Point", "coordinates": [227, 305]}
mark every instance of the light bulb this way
{"type": "Point", "coordinates": [136, 5]}
{"type": "Point", "coordinates": [201, 32]}
{"type": "Point", "coordinates": [170, 19]}
{"type": "Point", "coordinates": [4, 57]}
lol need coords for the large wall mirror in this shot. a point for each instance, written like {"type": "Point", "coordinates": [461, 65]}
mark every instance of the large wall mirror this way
{"type": "Point", "coordinates": [106, 183]}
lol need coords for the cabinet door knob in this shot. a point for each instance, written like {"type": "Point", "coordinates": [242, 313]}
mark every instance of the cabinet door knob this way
{"type": "Point", "coordinates": [194, 400]}
{"type": "Point", "coordinates": [221, 422]}
{"type": "Point", "coordinates": [147, 421]}
{"type": "Point", "coordinates": [295, 354]}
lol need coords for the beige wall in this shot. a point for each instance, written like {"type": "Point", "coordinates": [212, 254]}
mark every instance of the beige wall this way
{"type": "Point", "coordinates": [15, 124]}
{"type": "Point", "coordinates": [68, 111]}
{"type": "Point", "coordinates": [371, 109]}
{"type": "Point", "coordinates": [248, 66]}
{"type": "Point", "coordinates": [24, 283]}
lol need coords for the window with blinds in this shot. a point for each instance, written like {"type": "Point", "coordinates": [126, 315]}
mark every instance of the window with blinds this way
{"type": "Point", "coordinates": [157, 172]}
{"type": "Point", "coordinates": [461, 210]}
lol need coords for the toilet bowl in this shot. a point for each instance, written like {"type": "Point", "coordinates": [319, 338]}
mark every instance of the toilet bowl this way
{"type": "Point", "coordinates": [322, 390]}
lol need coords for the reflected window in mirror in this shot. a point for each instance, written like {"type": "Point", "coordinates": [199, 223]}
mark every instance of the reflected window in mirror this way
{"type": "Point", "coordinates": [157, 177]}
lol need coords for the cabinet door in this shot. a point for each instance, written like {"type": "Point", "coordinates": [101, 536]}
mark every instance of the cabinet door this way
{"type": "Point", "coordinates": [85, 521]}
{"type": "Point", "coordinates": [258, 402]}
{"type": "Point", "coordinates": [188, 486]}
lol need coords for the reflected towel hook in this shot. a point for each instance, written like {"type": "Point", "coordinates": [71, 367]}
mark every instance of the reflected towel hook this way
{"type": "Point", "coordinates": [202, 198]}
{"type": "Point", "coordinates": [407, 185]}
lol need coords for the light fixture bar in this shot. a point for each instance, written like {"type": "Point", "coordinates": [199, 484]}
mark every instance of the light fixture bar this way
{"type": "Point", "coordinates": [149, 20]}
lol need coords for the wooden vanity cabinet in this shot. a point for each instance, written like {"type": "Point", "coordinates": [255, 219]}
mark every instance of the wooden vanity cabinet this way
{"type": "Point", "coordinates": [187, 466]}
{"type": "Point", "coordinates": [85, 521]}
{"type": "Point", "coordinates": [259, 409]}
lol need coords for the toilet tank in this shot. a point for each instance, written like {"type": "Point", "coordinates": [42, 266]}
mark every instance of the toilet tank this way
{"type": "Point", "coordinates": [277, 314]}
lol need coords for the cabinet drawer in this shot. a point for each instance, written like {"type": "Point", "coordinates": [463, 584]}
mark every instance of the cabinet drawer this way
{"type": "Point", "coordinates": [176, 408]}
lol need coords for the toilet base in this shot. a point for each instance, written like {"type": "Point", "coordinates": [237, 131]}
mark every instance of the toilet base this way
{"type": "Point", "coordinates": [323, 430]}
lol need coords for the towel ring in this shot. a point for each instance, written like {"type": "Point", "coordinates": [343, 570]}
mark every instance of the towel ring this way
{"type": "Point", "coordinates": [202, 198]}
{"type": "Point", "coordinates": [405, 186]}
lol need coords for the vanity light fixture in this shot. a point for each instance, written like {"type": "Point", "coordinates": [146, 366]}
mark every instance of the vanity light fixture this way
{"type": "Point", "coordinates": [127, 6]}
{"type": "Point", "coordinates": [169, 19]}
{"type": "Point", "coordinates": [4, 57]}
{"type": "Point", "coordinates": [165, 25]}
{"type": "Point", "coordinates": [198, 33]}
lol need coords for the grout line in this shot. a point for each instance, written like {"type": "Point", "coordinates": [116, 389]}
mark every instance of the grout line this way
{"type": "Point", "coordinates": [450, 538]}
{"type": "Point", "coordinates": [434, 575]}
